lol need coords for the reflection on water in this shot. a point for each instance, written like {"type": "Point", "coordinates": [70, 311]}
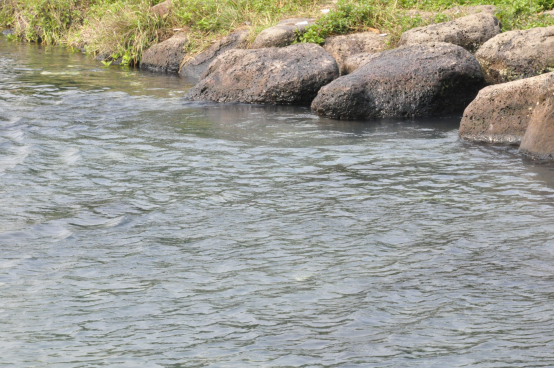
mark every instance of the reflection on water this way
{"type": "Point", "coordinates": [137, 229]}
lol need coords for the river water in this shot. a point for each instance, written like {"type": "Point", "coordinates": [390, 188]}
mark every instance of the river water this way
{"type": "Point", "coordinates": [140, 230]}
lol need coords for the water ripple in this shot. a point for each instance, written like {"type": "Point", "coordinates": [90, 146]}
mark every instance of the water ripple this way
{"type": "Point", "coordinates": [137, 229]}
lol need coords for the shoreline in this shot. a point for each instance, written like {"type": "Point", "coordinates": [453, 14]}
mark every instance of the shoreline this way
{"type": "Point", "coordinates": [458, 58]}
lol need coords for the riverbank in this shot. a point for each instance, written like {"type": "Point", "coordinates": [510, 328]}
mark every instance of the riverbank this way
{"type": "Point", "coordinates": [122, 29]}
{"type": "Point", "coordinates": [349, 60]}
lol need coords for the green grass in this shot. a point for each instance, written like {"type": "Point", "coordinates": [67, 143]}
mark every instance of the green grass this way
{"type": "Point", "coordinates": [124, 28]}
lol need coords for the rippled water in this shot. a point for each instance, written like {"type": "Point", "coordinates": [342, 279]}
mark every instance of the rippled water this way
{"type": "Point", "coordinates": [138, 230]}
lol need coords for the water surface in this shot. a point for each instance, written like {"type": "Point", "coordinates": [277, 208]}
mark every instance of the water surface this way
{"type": "Point", "coordinates": [139, 230]}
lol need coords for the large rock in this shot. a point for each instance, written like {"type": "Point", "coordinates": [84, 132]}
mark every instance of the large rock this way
{"type": "Point", "coordinates": [469, 32]}
{"type": "Point", "coordinates": [165, 56]}
{"type": "Point", "coordinates": [341, 47]}
{"type": "Point", "coordinates": [288, 75]}
{"type": "Point", "coordinates": [538, 141]}
{"type": "Point", "coordinates": [416, 80]}
{"type": "Point", "coordinates": [162, 9]}
{"type": "Point", "coordinates": [283, 34]}
{"type": "Point", "coordinates": [196, 66]}
{"type": "Point", "coordinates": [472, 9]}
{"type": "Point", "coordinates": [452, 12]}
{"type": "Point", "coordinates": [501, 113]}
{"type": "Point", "coordinates": [517, 54]}
{"type": "Point", "coordinates": [354, 62]}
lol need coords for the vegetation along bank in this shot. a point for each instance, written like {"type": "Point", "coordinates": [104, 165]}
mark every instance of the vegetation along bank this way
{"type": "Point", "coordinates": [348, 59]}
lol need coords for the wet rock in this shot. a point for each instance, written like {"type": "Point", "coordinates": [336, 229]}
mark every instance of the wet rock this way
{"type": "Point", "coordinates": [501, 113]}
{"type": "Point", "coordinates": [8, 32]}
{"type": "Point", "coordinates": [162, 9]}
{"type": "Point", "coordinates": [341, 47]}
{"type": "Point", "coordinates": [290, 75]}
{"type": "Point", "coordinates": [354, 62]}
{"type": "Point", "coordinates": [409, 81]}
{"type": "Point", "coordinates": [166, 56]}
{"type": "Point", "coordinates": [538, 141]}
{"type": "Point", "coordinates": [283, 34]}
{"type": "Point", "coordinates": [517, 54]}
{"type": "Point", "coordinates": [196, 66]}
{"type": "Point", "coordinates": [469, 32]}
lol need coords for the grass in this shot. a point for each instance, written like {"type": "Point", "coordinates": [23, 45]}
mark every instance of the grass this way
{"type": "Point", "coordinates": [123, 29]}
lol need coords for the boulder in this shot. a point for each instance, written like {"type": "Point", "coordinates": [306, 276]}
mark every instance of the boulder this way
{"type": "Point", "coordinates": [341, 47]}
{"type": "Point", "coordinates": [283, 34]}
{"type": "Point", "coordinates": [354, 62]}
{"type": "Point", "coordinates": [290, 75]}
{"type": "Point", "coordinates": [423, 15]}
{"type": "Point", "coordinates": [469, 32]}
{"type": "Point", "coordinates": [455, 11]}
{"type": "Point", "coordinates": [538, 141]}
{"type": "Point", "coordinates": [195, 67]}
{"type": "Point", "coordinates": [162, 9]}
{"type": "Point", "coordinates": [501, 113]}
{"type": "Point", "coordinates": [472, 9]}
{"type": "Point", "coordinates": [409, 81]}
{"type": "Point", "coordinates": [8, 32]}
{"type": "Point", "coordinates": [517, 54]}
{"type": "Point", "coordinates": [166, 56]}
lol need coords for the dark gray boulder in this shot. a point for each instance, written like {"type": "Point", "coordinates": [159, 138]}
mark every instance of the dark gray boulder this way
{"type": "Point", "coordinates": [409, 81]}
{"type": "Point", "coordinates": [516, 55]}
{"type": "Point", "coordinates": [290, 75]}
{"type": "Point", "coordinates": [283, 34]}
{"type": "Point", "coordinates": [501, 113]}
{"type": "Point", "coordinates": [196, 66]}
{"type": "Point", "coordinates": [469, 32]}
{"type": "Point", "coordinates": [166, 56]}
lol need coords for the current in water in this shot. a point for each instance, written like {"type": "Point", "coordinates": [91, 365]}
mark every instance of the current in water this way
{"type": "Point", "coordinates": [139, 230]}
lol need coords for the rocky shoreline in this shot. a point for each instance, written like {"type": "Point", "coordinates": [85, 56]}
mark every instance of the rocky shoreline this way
{"type": "Point", "coordinates": [503, 82]}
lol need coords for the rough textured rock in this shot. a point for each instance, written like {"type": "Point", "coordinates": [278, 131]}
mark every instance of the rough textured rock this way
{"type": "Point", "coordinates": [475, 9]}
{"type": "Point", "coordinates": [162, 9]}
{"type": "Point", "coordinates": [455, 11]}
{"type": "Point", "coordinates": [538, 141]}
{"type": "Point", "coordinates": [8, 31]}
{"type": "Point", "coordinates": [354, 62]}
{"type": "Point", "coordinates": [416, 80]}
{"type": "Point", "coordinates": [290, 75]}
{"type": "Point", "coordinates": [424, 15]}
{"type": "Point", "coordinates": [517, 54]}
{"type": "Point", "coordinates": [196, 66]}
{"type": "Point", "coordinates": [165, 56]}
{"type": "Point", "coordinates": [469, 32]}
{"type": "Point", "coordinates": [283, 34]}
{"type": "Point", "coordinates": [341, 47]}
{"type": "Point", "coordinates": [501, 113]}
